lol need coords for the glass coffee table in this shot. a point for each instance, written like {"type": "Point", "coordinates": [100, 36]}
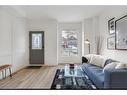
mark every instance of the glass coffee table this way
{"type": "Point", "coordinates": [72, 78]}
{"type": "Point", "coordinates": [73, 75]}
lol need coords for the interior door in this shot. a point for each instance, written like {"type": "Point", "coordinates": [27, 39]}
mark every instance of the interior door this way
{"type": "Point", "coordinates": [36, 50]}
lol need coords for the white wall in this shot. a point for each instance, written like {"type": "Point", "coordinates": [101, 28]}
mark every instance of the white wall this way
{"type": "Point", "coordinates": [117, 12]}
{"type": "Point", "coordinates": [72, 59]}
{"type": "Point", "coordinates": [13, 46]}
{"type": "Point", "coordinates": [91, 28]}
{"type": "Point", "coordinates": [50, 31]}
{"type": "Point", "coordinates": [20, 45]}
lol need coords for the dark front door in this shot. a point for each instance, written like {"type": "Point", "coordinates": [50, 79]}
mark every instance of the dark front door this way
{"type": "Point", "coordinates": [36, 51]}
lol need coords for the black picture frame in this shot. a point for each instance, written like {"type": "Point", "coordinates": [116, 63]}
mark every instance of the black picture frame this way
{"type": "Point", "coordinates": [117, 41]}
{"type": "Point", "coordinates": [111, 26]}
{"type": "Point", "coordinates": [111, 43]}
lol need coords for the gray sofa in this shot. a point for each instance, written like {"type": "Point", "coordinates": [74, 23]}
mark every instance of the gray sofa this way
{"type": "Point", "coordinates": [109, 79]}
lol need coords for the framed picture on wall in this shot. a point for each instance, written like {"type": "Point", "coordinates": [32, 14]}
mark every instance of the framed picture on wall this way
{"type": "Point", "coordinates": [111, 26]}
{"type": "Point", "coordinates": [111, 43]}
{"type": "Point", "coordinates": [121, 33]}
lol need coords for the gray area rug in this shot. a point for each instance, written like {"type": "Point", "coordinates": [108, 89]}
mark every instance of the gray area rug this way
{"type": "Point", "coordinates": [61, 82]}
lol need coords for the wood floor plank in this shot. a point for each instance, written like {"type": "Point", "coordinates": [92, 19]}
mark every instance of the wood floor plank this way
{"type": "Point", "coordinates": [41, 78]}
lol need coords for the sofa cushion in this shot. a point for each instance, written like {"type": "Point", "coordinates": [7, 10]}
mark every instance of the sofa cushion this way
{"type": "Point", "coordinates": [98, 60]}
{"type": "Point", "coordinates": [121, 65]}
{"type": "Point", "coordinates": [95, 74]}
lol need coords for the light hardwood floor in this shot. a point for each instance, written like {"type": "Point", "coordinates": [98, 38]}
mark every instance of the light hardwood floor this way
{"type": "Point", "coordinates": [30, 78]}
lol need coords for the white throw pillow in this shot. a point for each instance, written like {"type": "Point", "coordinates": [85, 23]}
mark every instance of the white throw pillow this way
{"type": "Point", "coordinates": [88, 57]}
{"type": "Point", "coordinates": [121, 66]}
{"type": "Point", "coordinates": [98, 60]}
{"type": "Point", "coordinates": [110, 66]}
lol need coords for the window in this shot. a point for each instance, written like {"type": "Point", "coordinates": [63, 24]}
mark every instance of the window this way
{"type": "Point", "coordinates": [69, 43]}
{"type": "Point", "coordinates": [36, 41]}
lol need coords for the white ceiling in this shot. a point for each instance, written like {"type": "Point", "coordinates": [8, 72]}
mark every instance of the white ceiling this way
{"type": "Point", "coordinates": [62, 13]}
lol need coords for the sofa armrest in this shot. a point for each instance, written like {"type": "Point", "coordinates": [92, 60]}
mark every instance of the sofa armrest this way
{"type": "Point", "coordinates": [115, 79]}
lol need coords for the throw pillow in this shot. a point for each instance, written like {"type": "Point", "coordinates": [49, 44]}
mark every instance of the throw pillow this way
{"type": "Point", "coordinates": [88, 57]}
{"type": "Point", "coordinates": [98, 60]}
{"type": "Point", "coordinates": [108, 61]}
{"type": "Point", "coordinates": [121, 66]}
{"type": "Point", "coordinates": [84, 60]}
{"type": "Point", "coordinates": [110, 66]}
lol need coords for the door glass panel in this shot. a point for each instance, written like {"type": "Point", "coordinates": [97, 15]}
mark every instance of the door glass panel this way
{"type": "Point", "coordinates": [36, 41]}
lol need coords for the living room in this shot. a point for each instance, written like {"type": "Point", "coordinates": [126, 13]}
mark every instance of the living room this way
{"type": "Point", "coordinates": [69, 33]}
